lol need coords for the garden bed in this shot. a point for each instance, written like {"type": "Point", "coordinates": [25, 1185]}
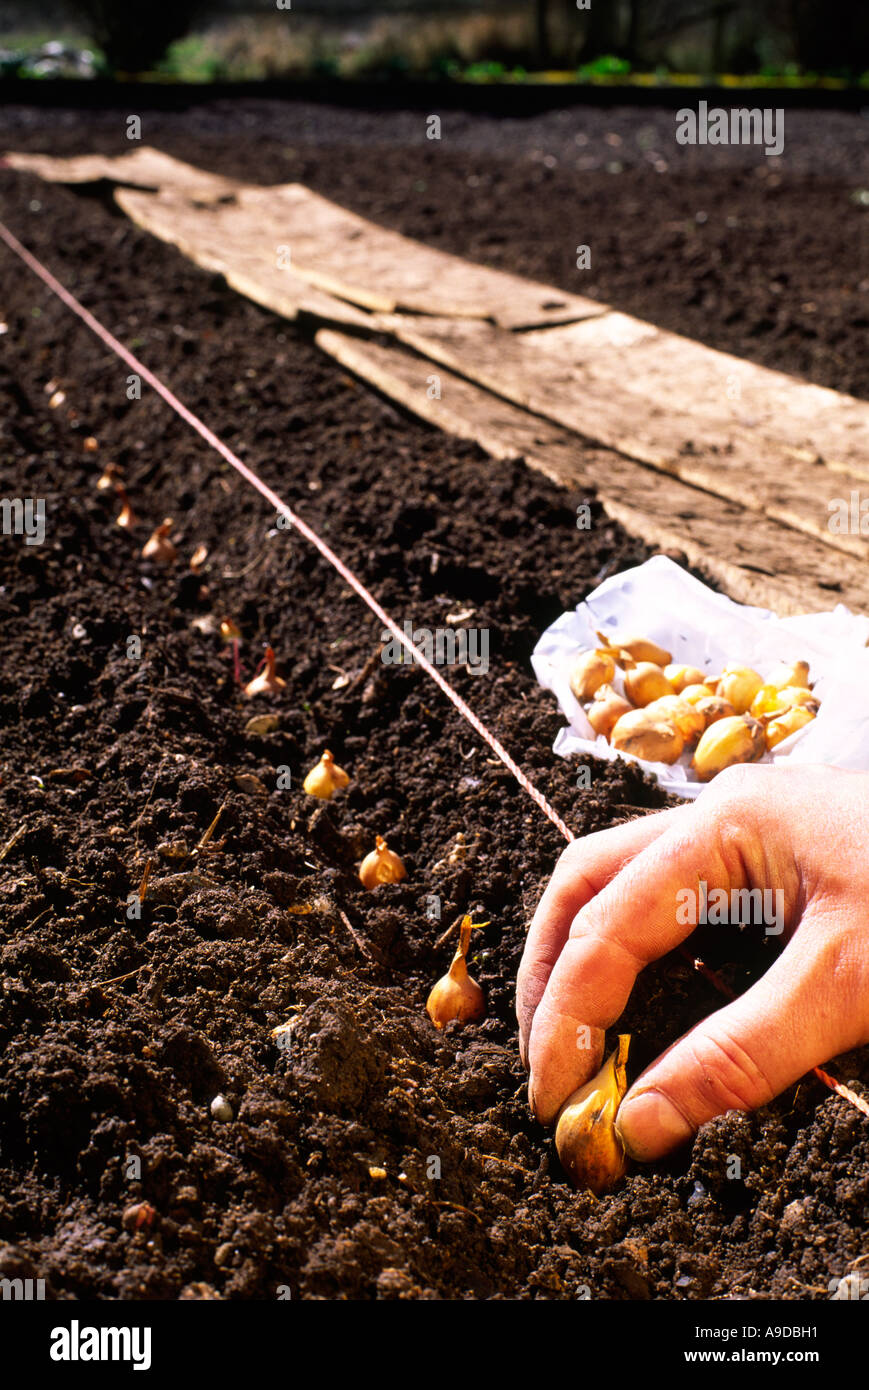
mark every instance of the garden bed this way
{"type": "Point", "coordinates": [109, 763]}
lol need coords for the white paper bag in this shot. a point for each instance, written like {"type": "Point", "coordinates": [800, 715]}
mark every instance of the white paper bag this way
{"type": "Point", "coordinates": [660, 601]}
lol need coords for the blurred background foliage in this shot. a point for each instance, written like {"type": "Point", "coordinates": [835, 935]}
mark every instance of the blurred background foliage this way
{"type": "Point", "coordinates": [483, 40]}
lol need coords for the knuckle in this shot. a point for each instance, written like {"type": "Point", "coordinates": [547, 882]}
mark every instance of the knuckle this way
{"type": "Point", "coordinates": [725, 1076]}
{"type": "Point", "coordinates": [672, 851]}
{"type": "Point", "coordinates": [838, 956]}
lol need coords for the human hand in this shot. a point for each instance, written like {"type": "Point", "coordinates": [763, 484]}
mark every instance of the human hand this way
{"type": "Point", "coordinates": [610, 908]}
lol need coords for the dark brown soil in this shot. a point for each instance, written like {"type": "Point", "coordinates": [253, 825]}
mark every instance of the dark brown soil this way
{"type": "Point", "coordinates": [117, 1033]}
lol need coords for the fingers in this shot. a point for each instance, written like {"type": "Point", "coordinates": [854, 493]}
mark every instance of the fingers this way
{"type": "Point", "coordinates": [584, 868]}
{"type": "Point", "coordinates": [809, 1006]}
{"type": "Point", "coordinates": [632, 920]}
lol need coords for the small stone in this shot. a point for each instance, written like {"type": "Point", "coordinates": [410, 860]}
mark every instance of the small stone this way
{"type": "Point", "coordinates": [250, 784]}
{"type": "Point", "coordinates": [395, 1283]}
{"type": "Point", "coordinates": [793, 1215]}
{"type": "Point", "coordinates": [221, 1109]}
{"type": "Point", "coordinates": [139, 1217]}
{"type": "Point", "coordinates": [262, 724]}
{"type": "Point", "coordinates": [378, 1173]}
{"type": "Point", "coordinates": [173, 849]}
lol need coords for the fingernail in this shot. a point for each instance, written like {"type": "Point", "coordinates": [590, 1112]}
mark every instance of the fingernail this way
{"type": "Point", "coordinates": [649, 1125]}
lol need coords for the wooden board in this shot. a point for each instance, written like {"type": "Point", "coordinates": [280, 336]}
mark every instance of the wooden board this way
{"type": "Point", "coordinates": [335, 250]}
{"type": "Point", "coordinates": [382, 270]}
{"type": "Point", "coordinates": [811, 422]}
{"type": "Point", "coordinates": [251, 267]}
{"type": "Point", "coordinates": [142, 167]}
{"type": "Point", "coordinates": [762, 563]}
{"type": "Point", "coordinates": [727, 459]}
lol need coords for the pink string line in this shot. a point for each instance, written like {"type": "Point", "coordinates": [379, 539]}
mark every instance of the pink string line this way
{"type": "Point", "coordinates": [326, 551]}
{"type": "Point", "coordinates": [281, 507]}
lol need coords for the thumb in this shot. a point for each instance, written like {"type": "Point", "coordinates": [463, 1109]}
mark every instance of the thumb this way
{"type": "Point", "coordinates": [801, 1012]}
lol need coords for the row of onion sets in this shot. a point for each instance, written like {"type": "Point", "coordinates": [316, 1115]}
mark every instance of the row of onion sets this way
{"type": "Point", "coordinates": [585, 1136]}
{"type": "Point", "coordinates": [586, 1140]}
{"type": "Point", "coordinates": [456, 996]}
{"type": "Point", "coordinates": [669, 708]}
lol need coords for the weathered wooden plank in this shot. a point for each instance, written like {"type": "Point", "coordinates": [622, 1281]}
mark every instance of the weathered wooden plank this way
{"type": "Point", "coordinates": [462, 409]}
{"type": "Point", "coordinates": [724, 458]}
{"type": "Point", "coordinates": [337, 251]}
{"type": "Point", "coordinates": [719, 389]}
{"type": "Point", "coordinates": [251, 268]}
{"type": "Point", "coordinates": [142, 167]}
{"type": "Point", "coordinates": [385, 271]}
{"type": "Point", "coordinates": [759, 563]}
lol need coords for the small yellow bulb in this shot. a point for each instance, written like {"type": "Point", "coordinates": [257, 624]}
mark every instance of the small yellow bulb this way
{"type": "Point", "coordinates": [713, 708]}
{"type": "Point", "coordinates": [734, 739]}
{"type": "Point", "coordinates": [781, 726]}
{"type": "Point", "coordinates": [766, 701]}
{"type": "Point", "coordinates": [381, 866]}
{"type": "Point", "coordinates": [635, 649]}
{"type": "Point", "coordinates": [326, 778]}
{"type": "Point", "coordinates": [687, 718]}
{"type": "Point", "coordinates": [590, 1151]}
{"type": "Point", "coordinates": [693, 693]}
{"type": "Point", "coordinates": [590, 672]}
{"type": "Point", "coordinates": [800, 695]}
{"type": "Point", "coordinates": [797, 673]}
{"type": "Point", "coordinates": [739, 685]}
{"type": "Point", "coordinates": [645, 682]}
{"type": "Point", "coordinates": [607, 709]}
{"type": "Point", "coordinates": [644, 736]}
{"type": "Point", "coordinates": [681, 677]}
{"type": "Point", "coordinates": [456, 995]}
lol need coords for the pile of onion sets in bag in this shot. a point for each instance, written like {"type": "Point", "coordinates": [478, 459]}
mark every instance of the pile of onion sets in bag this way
{"type": "Point", "coordinates": [668, 709]}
